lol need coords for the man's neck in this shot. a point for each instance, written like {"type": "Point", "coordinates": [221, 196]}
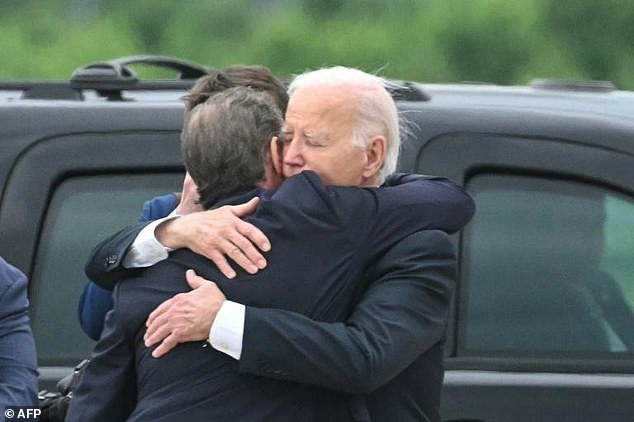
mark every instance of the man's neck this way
{"type": "Point", "coordinates": [371, 182]}
{"type": "Point", "coordinates": [238, 197]}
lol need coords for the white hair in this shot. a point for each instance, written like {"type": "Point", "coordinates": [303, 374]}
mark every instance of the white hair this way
{"type": "Point", "coordinates": [377, 114]}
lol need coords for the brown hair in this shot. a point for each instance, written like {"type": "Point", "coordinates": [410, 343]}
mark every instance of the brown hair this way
{"type": "Point", "coordinates": [257, 77]}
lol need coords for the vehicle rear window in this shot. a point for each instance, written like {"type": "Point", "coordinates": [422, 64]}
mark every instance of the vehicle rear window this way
{"type": "Point", "coordinates": [550, 268]}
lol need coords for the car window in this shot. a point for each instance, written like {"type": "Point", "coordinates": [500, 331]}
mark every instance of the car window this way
{"type": "Point", "coordinates": [550, 268]}
{"type": "Point", "coordinates": [82, 212]}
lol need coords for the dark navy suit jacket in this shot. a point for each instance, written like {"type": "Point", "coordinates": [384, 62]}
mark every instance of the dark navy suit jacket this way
{"type": "Point", "coordinates": [389, 351]}
{"type": "Point", "coordinates": [18, 361]}
{"type": "Point", "coordinates": [322, 240]}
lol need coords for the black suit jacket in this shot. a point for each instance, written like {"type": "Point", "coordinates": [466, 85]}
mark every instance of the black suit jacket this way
{"type": "Point", "coordinates": [390, 348]}
{"type": "Point", "coordinates": [322, 239]}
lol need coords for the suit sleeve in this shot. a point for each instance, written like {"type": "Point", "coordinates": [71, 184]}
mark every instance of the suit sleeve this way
{"type": "Point", "coordinates": [105, 264]}
{"type": "Point", "coordinates": [443, 205]}
{"type": "Point", "coordinates": [18, 362]}
{"type": "Point", "coordinates": [402, 314]}
{"type": "Point", "coordinates": [406, 203]}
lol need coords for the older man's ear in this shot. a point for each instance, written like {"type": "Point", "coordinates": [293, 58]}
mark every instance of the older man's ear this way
{"type": "Point", "coordinates": [374, 159]}
{"type": "Point", "coordinates": [277, 149]}
{"type": "Point", "coordinates": [273, 176]}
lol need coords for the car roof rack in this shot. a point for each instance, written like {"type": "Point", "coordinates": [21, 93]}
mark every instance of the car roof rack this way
{"type": "Point", "coordinates": [50, 90]}
{"type": "Point", "coordinates": [111, 77]}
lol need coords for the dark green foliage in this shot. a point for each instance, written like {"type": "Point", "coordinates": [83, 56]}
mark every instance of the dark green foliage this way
{"type": "Point", "coordinates": [496, 41]}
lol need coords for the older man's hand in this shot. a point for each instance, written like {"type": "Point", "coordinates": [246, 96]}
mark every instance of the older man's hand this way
{"type": "Point", "coordinates": [185, 317]}
{"type": "Point", "coordinates": [218, 233]}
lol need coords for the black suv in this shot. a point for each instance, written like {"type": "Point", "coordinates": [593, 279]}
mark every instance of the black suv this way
{"type": "Point", "coordinates": [542, 326]}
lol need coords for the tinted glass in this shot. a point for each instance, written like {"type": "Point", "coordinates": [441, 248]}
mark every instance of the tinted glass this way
{"type": "Point", "coordinates": [550, 268]}
{"type": "Point", "coordinates": [82, 212]}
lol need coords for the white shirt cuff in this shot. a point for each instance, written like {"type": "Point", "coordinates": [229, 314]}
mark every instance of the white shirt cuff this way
{"type": "Point", "coordinates": [146, 250]}
{"type": "Point", "coordinates": [227, 330]}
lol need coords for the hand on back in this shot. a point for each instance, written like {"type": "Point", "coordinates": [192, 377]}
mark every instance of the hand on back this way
{"type": "Point", "coordinates": [185, 317]}
{"type": "Point", "coordinates": [218, 234]}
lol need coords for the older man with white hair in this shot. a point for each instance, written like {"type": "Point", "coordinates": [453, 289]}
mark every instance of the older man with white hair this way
{"type": "Point", "coordinates": [342, 124]}
{"type": "Point", "coordinates": [339, 120]}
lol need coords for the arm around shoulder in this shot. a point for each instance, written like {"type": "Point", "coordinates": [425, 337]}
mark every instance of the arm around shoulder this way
{"type": "Point", "coordinates": [105, 264]}
{"type": "Point", "coordinates": [444, 204]}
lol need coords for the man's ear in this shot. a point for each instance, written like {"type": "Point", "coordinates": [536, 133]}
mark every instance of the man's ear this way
{"type": "Point", "coordinates": [375, 156]}
{"type": "Point", "coordinates": [273, 177]}
{"type": "Point", "coordinates": [276, 155]}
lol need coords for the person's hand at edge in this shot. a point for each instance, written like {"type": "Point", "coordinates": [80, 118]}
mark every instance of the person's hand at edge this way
{"type": "Point", "coordinates": [185, 317]}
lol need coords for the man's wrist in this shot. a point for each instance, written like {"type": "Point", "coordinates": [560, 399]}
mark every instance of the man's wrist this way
{"type": "Point", "coordinates": [146, 250]}
{"type": "Point", "coordinates": [227, 329]}
{"type": "Point", "coordinates": [168, 234]}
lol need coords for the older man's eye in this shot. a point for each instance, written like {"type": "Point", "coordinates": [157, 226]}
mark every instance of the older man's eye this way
{"type": "Point", "coordinates": [314, 142]}
{"type": "Point", "coordinates": [286, 137]}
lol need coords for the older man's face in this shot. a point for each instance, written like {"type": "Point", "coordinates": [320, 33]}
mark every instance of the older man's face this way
{"type": "Point", "coordinates": [318, 134]}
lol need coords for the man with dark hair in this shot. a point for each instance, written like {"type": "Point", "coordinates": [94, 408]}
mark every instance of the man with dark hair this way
{"type": "Point", "coordinates": [96, 301]}
{"type": "Point", "coordinates": [258, 78]}
{"type": "Point", "coordinates": [18, 361]}
{"type": "Point", "coordinates": [347, 227]}
{"type": "Point", "coordinates": [230, 164]}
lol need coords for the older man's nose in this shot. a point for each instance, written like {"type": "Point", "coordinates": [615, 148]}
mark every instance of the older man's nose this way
{"type": "Point", "coordinates": [293, 153]}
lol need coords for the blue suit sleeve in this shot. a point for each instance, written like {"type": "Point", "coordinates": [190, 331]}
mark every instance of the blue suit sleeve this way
{"type": "Point", "coordinates": [158, 207]}
{"type": "Point", "coordinates": [18, 361]}
{"type": "Point", "coordinates": [94, 304]}
{"type": "Point", "coordinates": [95, 300]}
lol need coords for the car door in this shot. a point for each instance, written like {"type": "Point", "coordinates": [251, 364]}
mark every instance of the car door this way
{"type": "Point", "coordinates": [543, 323]}
{"type": "Point", "coordinates": [63, 195]}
